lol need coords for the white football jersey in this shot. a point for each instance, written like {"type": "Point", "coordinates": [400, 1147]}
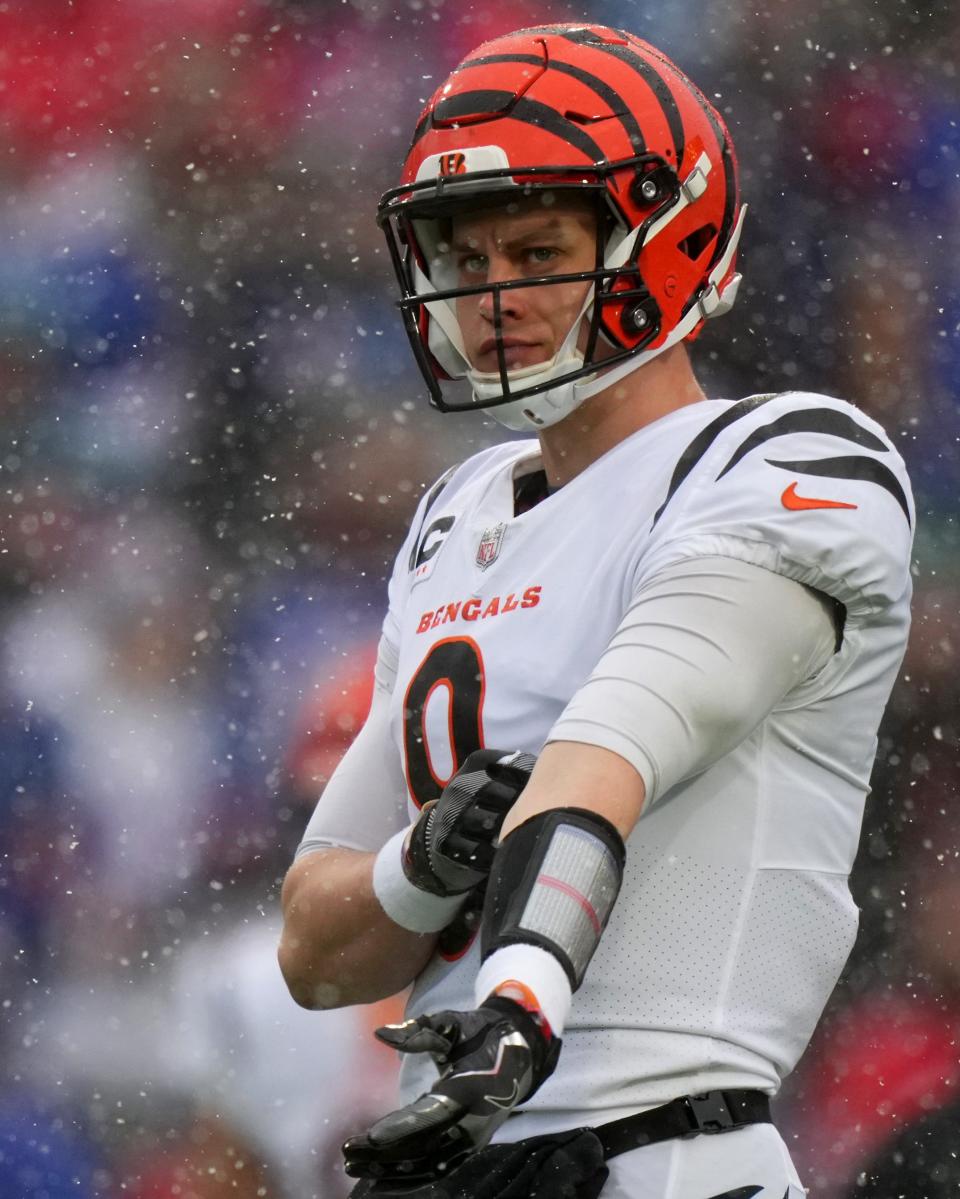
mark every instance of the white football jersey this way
{"type": "Point", "coordinates": [735, 918]}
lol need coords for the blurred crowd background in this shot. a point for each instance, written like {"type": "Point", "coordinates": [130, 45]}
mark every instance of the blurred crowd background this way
{"type": "Point", "coordinates": [212, 439]}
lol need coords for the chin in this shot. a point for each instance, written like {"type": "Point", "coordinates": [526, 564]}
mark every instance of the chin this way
{"type": "Point", "coordinates": [489, 363]}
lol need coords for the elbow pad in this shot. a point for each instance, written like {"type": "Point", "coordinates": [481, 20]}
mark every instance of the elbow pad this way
{"type": "Point", "coordinates": [554, 882]}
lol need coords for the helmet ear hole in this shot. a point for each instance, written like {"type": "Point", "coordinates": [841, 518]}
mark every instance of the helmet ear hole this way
{"type": "Point", "coordinates": [695, 244]}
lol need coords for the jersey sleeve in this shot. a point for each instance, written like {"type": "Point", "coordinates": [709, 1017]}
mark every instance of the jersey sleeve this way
{"type": "Point", "coordinates": [364, 803]}
{"type": "Point", "coordinates": [803, 485]}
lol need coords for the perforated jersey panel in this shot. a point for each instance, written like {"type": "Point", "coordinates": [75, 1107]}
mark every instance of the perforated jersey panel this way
{"type": "Point", "coordinates": [798, 931]}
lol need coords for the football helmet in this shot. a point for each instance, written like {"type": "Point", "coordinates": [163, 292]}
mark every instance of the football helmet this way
{"type": "Point", "coordinates": [563, 108]}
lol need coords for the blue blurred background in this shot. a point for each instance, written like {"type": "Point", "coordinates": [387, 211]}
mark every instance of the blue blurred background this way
{"type": "Point", "coordinates": [212, 438]}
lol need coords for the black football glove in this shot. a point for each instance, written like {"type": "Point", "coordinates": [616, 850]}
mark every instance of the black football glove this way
{"type": "Point", "coordinates": [450, 848]}
{"type": "Point", "coordinates": [490, 1060]}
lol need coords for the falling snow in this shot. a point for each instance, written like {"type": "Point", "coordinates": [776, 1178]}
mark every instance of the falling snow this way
{"type": "Point", "coordinates": [214, 439]}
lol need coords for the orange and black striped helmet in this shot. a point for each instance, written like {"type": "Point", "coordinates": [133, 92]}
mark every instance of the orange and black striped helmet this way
{"type": "Point", "coordinates": [595, 110]}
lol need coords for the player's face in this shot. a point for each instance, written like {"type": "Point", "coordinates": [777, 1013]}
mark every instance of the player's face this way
{"type": "Point", "coordinates": [522, 241]}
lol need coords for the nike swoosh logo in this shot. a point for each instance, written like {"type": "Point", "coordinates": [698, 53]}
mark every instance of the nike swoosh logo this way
{"type": "Point", "coordinates": [741, 1193]}
{"type": "Point", "coordinates": [505, 1102]}
{"type": "Point", "coordinates": [801, 503]}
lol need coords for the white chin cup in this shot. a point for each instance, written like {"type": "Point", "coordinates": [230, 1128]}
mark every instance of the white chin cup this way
{"type": "Point", "coordinates": [535, 412]}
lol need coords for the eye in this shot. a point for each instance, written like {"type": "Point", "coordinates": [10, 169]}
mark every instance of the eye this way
{"type": "Point", "coordinates": [541, 254]}
{"type": "Point", "coordinates": [472, 264]}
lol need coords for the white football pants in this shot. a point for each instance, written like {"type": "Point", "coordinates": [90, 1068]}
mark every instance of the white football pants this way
{"type": "Point", "coordinates": [747, 1163]}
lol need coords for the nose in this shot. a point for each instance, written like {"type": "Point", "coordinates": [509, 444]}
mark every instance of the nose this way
{"type": "Point", "coordinates": [501, 270]}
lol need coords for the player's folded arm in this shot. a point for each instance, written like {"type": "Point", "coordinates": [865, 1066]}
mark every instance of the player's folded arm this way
{"type": "Point", "coordinates": [338, 946]}
{"type": "Point", "coordinates": [368, 892]}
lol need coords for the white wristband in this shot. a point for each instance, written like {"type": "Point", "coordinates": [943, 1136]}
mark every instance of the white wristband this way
{"type": "Point", "coordinates": [415, 910]}
{"type": "Point", "coordinates": [538, 970]}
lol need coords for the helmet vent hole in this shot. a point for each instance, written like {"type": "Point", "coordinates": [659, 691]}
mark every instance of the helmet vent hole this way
{"type": "Point", "coordinates": [694, 245]}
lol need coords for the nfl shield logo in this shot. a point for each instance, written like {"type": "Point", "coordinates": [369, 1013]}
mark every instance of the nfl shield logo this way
{"type": "Point", "coordinates": [489, 546]}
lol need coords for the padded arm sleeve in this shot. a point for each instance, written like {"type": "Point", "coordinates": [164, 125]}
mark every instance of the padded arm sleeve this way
{"type": "Point", "coordinates": [365, 802]}
{"type": "Point", "coordinates": [708, 649]}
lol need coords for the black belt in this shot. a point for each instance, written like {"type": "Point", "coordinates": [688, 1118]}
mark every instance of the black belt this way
{"type": "Point", "coordinates": [689, 1116]}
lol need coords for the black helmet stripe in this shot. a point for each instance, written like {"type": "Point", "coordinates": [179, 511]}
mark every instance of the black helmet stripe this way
{"type": "Point", "coordinates": [422, 126]}
{"type": "Point", "coordinates": [730, 204]}
{"type": "Point", "coordinates": [528, 112]}
{"type": "Point", "coordinates": [534, 60]}
{"type": "Point", "coordinates": [555, 29]}
{"type": "Point", "coordinates": [729, 208]}
{"type": "Point", "coordinates": [532, 112]}
{"type": "Point", "coordinates": [730, 192]}
{"type": "Point", "coordinates": [653, 79]}
{"type": "Point", "coordinates": [618, 106]}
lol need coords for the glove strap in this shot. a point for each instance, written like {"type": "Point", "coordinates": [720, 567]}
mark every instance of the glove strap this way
{"type": "Point", "coordinates": [415, 910]}
{"type": "Point", "coordinates": [545, 1050]}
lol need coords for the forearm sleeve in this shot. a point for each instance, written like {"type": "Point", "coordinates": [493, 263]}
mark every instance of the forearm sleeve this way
{"type": "Point", "coordinates": [705, 653]}
{"type": "Point", "coordinates": [365, 801]}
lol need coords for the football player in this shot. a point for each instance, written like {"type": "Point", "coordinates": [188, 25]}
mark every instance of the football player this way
{"type": "Point", "coordinates": [604, 808]}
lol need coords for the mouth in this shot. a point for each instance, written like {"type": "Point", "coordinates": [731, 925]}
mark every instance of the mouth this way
{"type": "Point", "coordinates": [516, 351]}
